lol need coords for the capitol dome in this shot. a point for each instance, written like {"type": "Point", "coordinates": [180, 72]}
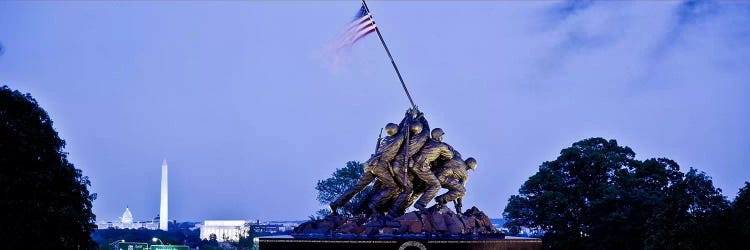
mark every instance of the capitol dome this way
{"type": "Point", "coordinates": [127, 217]}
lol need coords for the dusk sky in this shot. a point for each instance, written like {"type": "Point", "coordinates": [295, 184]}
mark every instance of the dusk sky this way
{"type": "Point", "coordinates": [242, 100]}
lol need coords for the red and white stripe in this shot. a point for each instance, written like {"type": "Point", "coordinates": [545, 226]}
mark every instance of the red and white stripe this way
{"type": "Point", "coordinates": [358, 29]}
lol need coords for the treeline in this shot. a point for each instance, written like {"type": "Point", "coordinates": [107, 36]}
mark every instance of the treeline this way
{"type": "Point", "coordinates": [596, 195]}
{"type": "Point", "coordinates": [177, 235]}
{"type": "Point", "coordinates": [180, 234]}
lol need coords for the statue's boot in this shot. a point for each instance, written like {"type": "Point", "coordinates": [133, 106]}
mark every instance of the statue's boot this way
{"type": "Point", "coordinates": [388, 217]}
{"type": "Point", "coordinates": [421, 208]}
{"type": "Point", "coordinates": [375, 211]}
{"type": "Point", "coordinates": [441, 200]}
{"type": "Point", "coordinates": [333, 210]}
{"type": "Point", "coordinates": [392, 214]}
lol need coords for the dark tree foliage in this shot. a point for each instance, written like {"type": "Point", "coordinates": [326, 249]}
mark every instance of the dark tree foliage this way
{"type": "Point", "coordinates": [210, 244]}
{"type": "Point", "coordinates": [341, 180]}
{"type": "Point", "coordinates": [44, 199]}
{"type": "Point", "coordinates": [595, 195]}
{"type": "Point", "coordinates": [691, 216]}
{"type": "Point", "coordinates": [739, 217]}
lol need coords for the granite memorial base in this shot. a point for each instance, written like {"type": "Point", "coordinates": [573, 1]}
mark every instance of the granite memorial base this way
{"type": "Point", "coordinates": [290, 243]}
{"type": "Point", "coordinates": [437, 228]}
{"type": "Point", "coordinates": [437, 220]}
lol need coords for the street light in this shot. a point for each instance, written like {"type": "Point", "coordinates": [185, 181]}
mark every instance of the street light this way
{"type": "Point", "coordinates": [155, 239]}
{"type": "Point", "coordinates": [115, 243]}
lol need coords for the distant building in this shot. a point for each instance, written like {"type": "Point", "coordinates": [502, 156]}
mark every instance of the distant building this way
{"type": "Point", "coordinates": [127, 217]}
{"type": "Point", "coordinates": [268, 228]}
{"type": "Point", "coordinates": [225, 230]}
{"type": "Point", "coordinates": [274, 226]}
{"type": "Point", "coordinates": [127, 222]}
{"type": "Point", "coordinates": [160, 222]}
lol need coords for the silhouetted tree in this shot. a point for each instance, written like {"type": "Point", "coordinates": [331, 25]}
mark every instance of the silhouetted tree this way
{"type": "Point", "coordinates": [570, 197]}
{"type": "Point", "coordinates": [595, 195]}
{"type": "Point", "coordinates": [341, 180]}
{"type": "Point", "coordinates": [739, 217]}
{"type": "Point", "coordinates": [691, 216]}
{"type": "Point", "coordinates": [211, 244]}
{"type": "Point", "coordinates": [44, 199]}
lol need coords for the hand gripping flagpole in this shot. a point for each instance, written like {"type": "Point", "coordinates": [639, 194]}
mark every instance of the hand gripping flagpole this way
{"type": "Point", "coordinates": [391, 57]}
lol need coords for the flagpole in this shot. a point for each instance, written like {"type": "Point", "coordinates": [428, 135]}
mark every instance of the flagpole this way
{"type": "Point", "coordinates": [391, 57]}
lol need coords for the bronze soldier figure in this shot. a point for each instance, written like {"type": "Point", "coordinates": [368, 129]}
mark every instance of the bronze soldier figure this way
{"type": "Point", "coordinates": [419, 185]}
{"type": "Point", "coordinates": [453, 176]}
{"type": "Point", "coordinates": [378, 166]}
{"type": "Point", "coordinates": [420, 134]}
{"type": "Point", "coordinates": [432, 150]}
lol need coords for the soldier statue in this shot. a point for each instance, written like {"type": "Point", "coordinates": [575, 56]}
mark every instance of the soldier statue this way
{"type": "Point", "coordinates": [431, 151]}
{"type": "Point", "coordinates": [419, 129]}
{"type": "Point", "coordinates": [410, 167]}
{"type": "Point", "coordinates": [453, 176]}
{"type": "Point", "coordinates": [377, 167]}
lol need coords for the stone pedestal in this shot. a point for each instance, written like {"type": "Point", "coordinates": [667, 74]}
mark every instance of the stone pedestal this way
{"type": "Point", "coordinates": [400, 243]}
{"type": "Point", "coordinates": [437, 220]}
{"type": "Point", "coordinates": [437, 228]}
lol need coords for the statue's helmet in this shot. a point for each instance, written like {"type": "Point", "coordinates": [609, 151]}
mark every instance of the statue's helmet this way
{"type": "Point", "coordinates": [437, 134]}
{"type": "Point", "coordinates": [416, 128]}
{"type": "Point", "coordinates": [391, 129]}
{"type": "Point", "coordinates": [471, 163]}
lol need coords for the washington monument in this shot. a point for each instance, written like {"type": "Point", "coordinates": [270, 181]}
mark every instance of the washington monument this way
{"type": "Point", "coordinates": [164, 207]}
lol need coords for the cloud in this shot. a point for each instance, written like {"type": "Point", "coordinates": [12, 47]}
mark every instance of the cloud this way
{"type": "Point", "coordinates": [691, 11]}
{"type": "Point", "coordinates": [566, 9]}
{"type": "Point", "coordinates": [578, 29]}
{"type": "Point", "coordinates": [685, 15]}
{"type": "Point", "coordinates": [639, 38]}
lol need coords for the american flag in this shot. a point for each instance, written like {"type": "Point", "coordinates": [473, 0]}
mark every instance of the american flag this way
{"type": "Point", "coordinates": [361, 26]}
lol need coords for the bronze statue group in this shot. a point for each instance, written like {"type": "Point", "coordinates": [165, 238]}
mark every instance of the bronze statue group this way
{"type": "Point", "coordinates": [410, 166]}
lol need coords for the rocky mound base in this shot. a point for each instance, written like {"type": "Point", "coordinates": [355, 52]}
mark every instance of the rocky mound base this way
{"type": "Point", "coordinates": [439, 220]}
